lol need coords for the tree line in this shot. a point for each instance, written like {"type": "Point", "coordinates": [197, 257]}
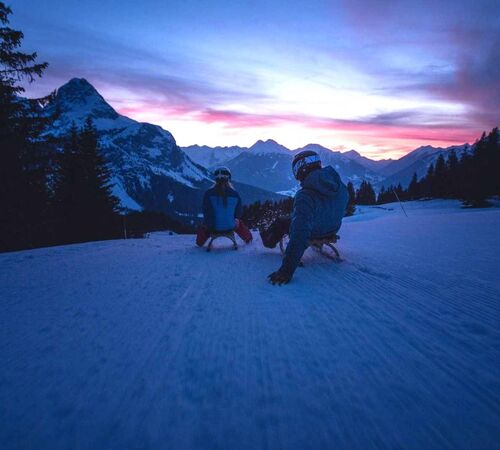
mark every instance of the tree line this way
{"type": "Point", "coordinates": [52, 190]}
{"type": "Point", "coordinates": [472, 178]}
{"type": "Point", "coordinates": [260, 215]}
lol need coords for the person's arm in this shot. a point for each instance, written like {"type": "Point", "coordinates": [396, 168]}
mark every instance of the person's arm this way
{"type": "Point", "coordinates": [300, 233]}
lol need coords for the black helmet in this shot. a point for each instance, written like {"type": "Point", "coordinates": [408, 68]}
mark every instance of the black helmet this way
{"type": "Point", "coordinates": [222, 173]}
{"type": "Point", "coordinates": [304, 163]}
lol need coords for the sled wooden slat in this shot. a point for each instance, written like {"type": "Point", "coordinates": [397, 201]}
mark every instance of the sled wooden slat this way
{"type": "Point", "coordinates": [317, 244]}
{"type": "Point", "coordinates": [228, 234]}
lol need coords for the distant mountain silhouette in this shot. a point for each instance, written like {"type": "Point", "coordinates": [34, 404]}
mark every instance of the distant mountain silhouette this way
{"type": "Point", "coordinates": [268, 164]}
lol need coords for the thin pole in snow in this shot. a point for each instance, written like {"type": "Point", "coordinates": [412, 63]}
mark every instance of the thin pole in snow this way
{"type": "Point", "coordinates": [124, 226]}
{"type": "Point", "coordinates": [400, 204]}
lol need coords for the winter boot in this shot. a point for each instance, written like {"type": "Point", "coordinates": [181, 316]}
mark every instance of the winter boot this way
{"type": "Point", "coordinates": [275, 232]}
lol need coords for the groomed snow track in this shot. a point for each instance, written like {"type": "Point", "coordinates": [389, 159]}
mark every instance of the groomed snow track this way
{"type": "Point", "coordinates": [157, 344]}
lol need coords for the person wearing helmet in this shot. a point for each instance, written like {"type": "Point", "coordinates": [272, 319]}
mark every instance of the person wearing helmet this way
{"type": "Point", "coordinates": [318, 209]}
{"type": "Point", "coordinates": [222, 209]}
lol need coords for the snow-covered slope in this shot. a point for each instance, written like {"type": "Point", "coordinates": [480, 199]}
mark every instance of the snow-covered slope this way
{"type": "Point", "coordinates": [418, 161]}
{"type": "Point", "coordinates": [271, 171]}
{"type": "Point", "coordinates": [157, 344]}
{"type": "Point", "coordinates": [371, 164]}
{"type": "Point", "coordinates": [409, 159]}
{"type": "Point", "coordinates": [269, 147]}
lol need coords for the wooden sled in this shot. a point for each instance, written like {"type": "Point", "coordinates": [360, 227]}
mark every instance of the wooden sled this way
{"type": "Point", "coordinates": [318, 244]}
{"type": "Point", "coordinates": [226, 234]}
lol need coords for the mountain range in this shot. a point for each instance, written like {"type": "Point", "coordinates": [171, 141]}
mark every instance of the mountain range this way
{"type": "Point", "coordinates": [268, 164]}
{"type": "Point", "coordinates": [151, 172]}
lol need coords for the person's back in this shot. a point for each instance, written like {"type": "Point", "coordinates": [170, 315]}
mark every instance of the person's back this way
{"type": "Point", "coordinates": [222, 209]}
{"type": "Point", "coordinates": [327, 195]}
{"type": "Point", "coordinates": [221, 205]}
{"type": "Point", "coordinates": [318, 209]}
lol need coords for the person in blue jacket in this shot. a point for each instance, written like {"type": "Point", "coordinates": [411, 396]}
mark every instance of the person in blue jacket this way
{"type": "Point", "coordinates": [222, 209]}
{"type": "Point", "coordinates": [318, 209]}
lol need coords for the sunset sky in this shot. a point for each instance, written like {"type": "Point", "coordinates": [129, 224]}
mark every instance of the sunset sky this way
{"type": "Point", "coordinates": [380, 76]}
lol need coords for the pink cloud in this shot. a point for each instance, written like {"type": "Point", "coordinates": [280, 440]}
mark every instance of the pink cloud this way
{"type": "Point", "coordinates": [443, 133]}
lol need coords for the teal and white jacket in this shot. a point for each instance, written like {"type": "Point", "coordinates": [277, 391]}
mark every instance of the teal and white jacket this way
{"type": "Point", "coordinates": [219, 212]}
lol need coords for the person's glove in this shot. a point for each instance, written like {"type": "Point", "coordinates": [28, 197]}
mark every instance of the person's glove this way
{"type": "Point", "coordinates": [279, 277]}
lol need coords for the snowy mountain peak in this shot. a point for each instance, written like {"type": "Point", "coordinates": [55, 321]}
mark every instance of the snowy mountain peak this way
{"type": "Point", "coordinates": [268, 147]}
{"type": "Point", "coordinates": [78, 87]}
{"type": "Point", "coordinates": [312, 147]}
{"type": "Point", "coordinates": [79, 93]}
{"type": "Point", "coordinates": [424, 150]}
{"type": "Point", "coordinates": [352, 154]}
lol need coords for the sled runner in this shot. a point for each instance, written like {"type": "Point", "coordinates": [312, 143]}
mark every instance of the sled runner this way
{"type": "Point", "coordinates": [317, 244]}
{"type": "Point", "coordinates": [227, 234]}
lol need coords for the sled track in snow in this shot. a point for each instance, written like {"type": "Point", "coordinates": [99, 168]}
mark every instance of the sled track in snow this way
{"type": "Point", "coordinates": [158, 344]}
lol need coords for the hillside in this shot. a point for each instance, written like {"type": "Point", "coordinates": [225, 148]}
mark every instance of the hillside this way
{"type": "Point", "coordinates": [154, 343]}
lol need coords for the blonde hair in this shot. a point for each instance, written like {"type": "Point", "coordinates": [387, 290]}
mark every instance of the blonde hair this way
{"type": "Point", "coordinates": [220, 187]}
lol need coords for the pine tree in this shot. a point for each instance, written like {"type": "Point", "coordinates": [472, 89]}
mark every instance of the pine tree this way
{"type": "Point", "coordinates": [494, 144]}
{"type": "Point", "coordinates": [23, 193]}
{"type": "Point", "coordinates": [482, 171]}
{"type": "Point", "coordinates": [381, 196]}
{"type": "Point", "coordinates": [366, 194]}
{"type": "Point", "coordinates": [464, 176]}
{"type": "Point", "coordinates": [351, 205]}
{"type": "Point", "coordinates": [399, 193]}
{"type": "Point", "coordinates": [98, 203]}
{"type": "Point", "coordinates": [490, 169]}
{"type": "Point", "coordinates": [86, 207]}
{"type": "Point", "coordinates": [440, 175]}
{"type": "Point", "coordinates": [452, 175]}
{"type": "Point", "coordinates": [67, 185]}
{"type": "Point", "coordinates": [428, 182]}
{"type": "Point", "coordinates": [413, 188]}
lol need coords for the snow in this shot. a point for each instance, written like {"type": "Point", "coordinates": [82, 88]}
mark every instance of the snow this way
{"type": "Point", "coordinates": [125, 200]}
{"type": "Point", "coordinates": [212, 156]}
{"type": "Point", "coordinates": [269, 147]}
{"type": "Point", "coordinates": [154, 152]}
{"type": "Point", "coordinates": [289, 192]}
{"type": "Point", "coordinates": [154, 343]}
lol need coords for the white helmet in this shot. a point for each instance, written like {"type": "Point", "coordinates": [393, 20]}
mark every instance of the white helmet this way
{"type": "Point", "coordinates": [222, 173]}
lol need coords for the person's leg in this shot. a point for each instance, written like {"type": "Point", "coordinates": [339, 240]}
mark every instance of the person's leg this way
{"type": "Point", "coordinates": [275, 232]}
{"type": "Point", "coordinates": [202, 235]}
{"type": "Point", "coordinates": [242, 231]}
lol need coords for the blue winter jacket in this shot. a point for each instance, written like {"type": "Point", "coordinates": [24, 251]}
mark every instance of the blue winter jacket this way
{"type": "Point", "coordinates": [318, 210]}
{"type": "Point", "coordinates": [217, 215]}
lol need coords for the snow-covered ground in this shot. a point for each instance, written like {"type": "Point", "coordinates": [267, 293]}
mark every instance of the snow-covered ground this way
{"type": "Point", "coordinates": [157, 344]}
